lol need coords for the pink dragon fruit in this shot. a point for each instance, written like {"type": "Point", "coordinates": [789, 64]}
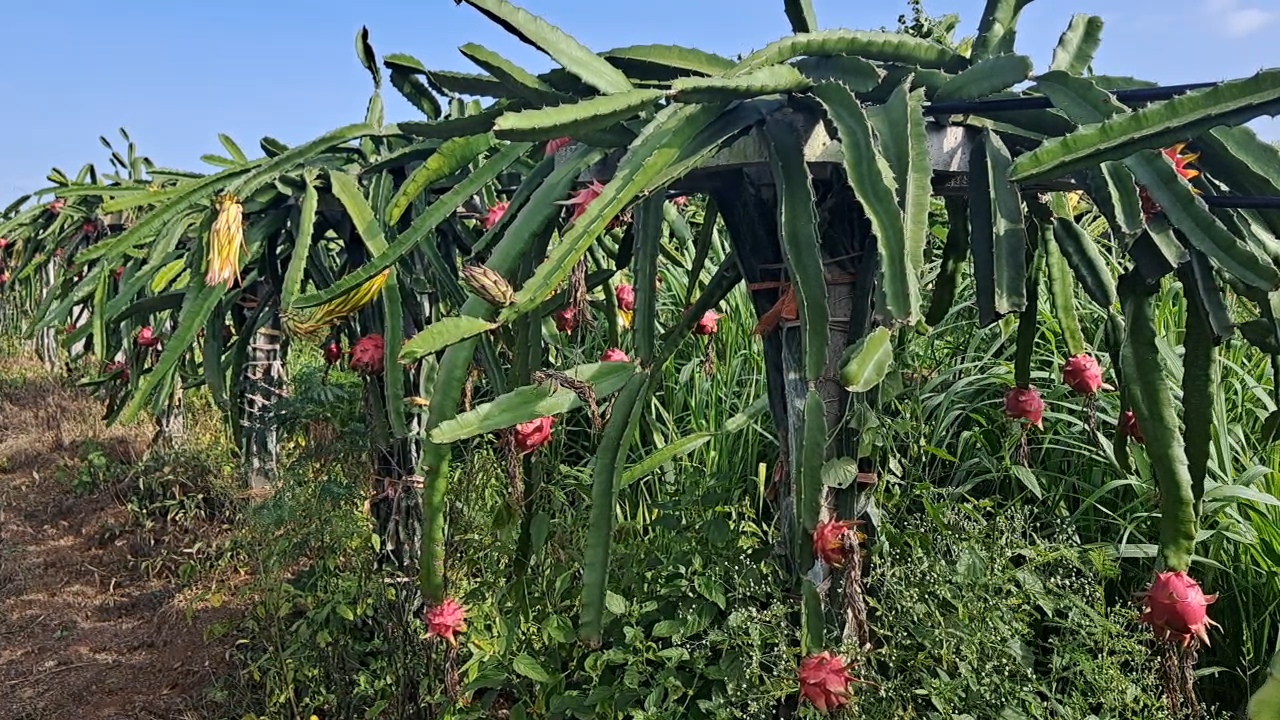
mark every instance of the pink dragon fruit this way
{"type": "Point", "coordinates": [1025, 404]}
{"type": "Point", "coordinates": [825, 681]}
{"type": "Point", "coordinates": [534, 434]}
{"type": "Point", "coordinates": [1177, 609]}
{"type": "Point", "coordinates": [367, 355]}
{"type": "Point", "coordinates": [614, 355]}
{"type": "Point", "coordinates": [1083, 374]}
{"type": "Point", "coordinates": [494, 215]}
{"type": "Point", "coordinates": [446, 620]}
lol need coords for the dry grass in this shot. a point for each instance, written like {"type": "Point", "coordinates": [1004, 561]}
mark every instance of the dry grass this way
{"type": "Point", "coordinates": [84, 632]}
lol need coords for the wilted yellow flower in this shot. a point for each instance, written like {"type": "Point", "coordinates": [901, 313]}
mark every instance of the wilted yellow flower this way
{"type": "Point", "coordinates": [226, 237]}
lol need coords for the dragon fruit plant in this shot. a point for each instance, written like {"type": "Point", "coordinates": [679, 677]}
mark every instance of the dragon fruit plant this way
{"type": "Point", "coordinates": [814, 157]}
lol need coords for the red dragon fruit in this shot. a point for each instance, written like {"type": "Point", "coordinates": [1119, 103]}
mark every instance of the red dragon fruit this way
{"type": "Point", "coordinates": [494, 215]}
{"type": "Point", "coordinates": [1083, 374]}
{"type": "Point", "coordinates": [626, 297]}
{"type": "Point", "coordinates": [707, 324]}
{"type": "Point", "coordinates": [4, 243]}
{"type": "Point", "coordinates": [367, 355]}
{"type": "Point", "coordinates": [1025, 404]}
{"type": "Point", "coordinates": [825, 681]}
{"type": "Point", "coordinates": [1177, 609]}
{"type": "Point", "coordinates": [680, 200]}
{"type": "Point", "coordinates": [566, 320]}
{"type": "Point", "coordinates": [119, 273]}
{"type": "Point", "coordinates": [56, 206]}
{"type": "Point", "coordinates": [553, 146]}
{"type": "Point", "coordinates": [583, 198]}
{"type": "Point", "coordinates": [446, 620]}
{"type": "Point", "coordinates": [332, 352]}
{"type": "Point", "coordinates": [117, 367]}
{"type": "Point", "coordinates": [614, 355]}
{"type": "Point", "coordinates": [1129, 427]}
{"type": "Point", "coordinates": [534, 434]}
{"type": "Point", "coordinates": [829, 541]}
{"type": "Point", "coordinates": [147, 337]}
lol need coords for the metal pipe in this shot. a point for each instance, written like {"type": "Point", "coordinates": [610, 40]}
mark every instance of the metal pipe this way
{"type": "Point", "coordinates": [1041, 102]}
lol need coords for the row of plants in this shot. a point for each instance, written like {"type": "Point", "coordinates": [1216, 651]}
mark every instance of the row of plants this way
{"type": "Point", "coordinates": [464, 258]}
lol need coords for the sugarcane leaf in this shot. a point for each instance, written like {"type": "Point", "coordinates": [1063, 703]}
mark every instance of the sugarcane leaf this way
{"type": "Point", "coordinates": [559, 46]}
{"type": "Point", "coordinates": [531, 402]}
{"type": "Point", "coordinates": [1154, 126]}
{"type": "Point", "coordinates": [1076, 48]}
{"type": "Point", "coordinates": [866, 362]}
{"type": "Point", "coordinates": [574, 119]}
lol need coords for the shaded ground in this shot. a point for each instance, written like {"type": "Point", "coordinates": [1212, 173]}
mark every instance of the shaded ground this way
{"type": "Point", "coordinates": [84, 631]}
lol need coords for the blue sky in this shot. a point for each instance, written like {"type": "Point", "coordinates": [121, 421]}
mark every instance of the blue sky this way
{"type": "Point", "coordinates": [177, 72]}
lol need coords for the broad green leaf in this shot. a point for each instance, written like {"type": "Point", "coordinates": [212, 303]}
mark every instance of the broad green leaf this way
{"type": "Point", "coordinates": [527, 666]}
{"type": "Point", "coordinates": [519, 81]}
{"type": "Point", "coordinates": [533, 401]}
{"type": "Point", "coordinates": [605, 478]}
{"type": "Point", "coordinates": [303, 229]}
{"type": "Point", "coordinates": [1086, 261]}
{"type": "Point", "coordinates": [867, 361]}
{"type": "Point", "coordinates": [853, 72]}
{"type": "Point", "coordinates": [572, 55]}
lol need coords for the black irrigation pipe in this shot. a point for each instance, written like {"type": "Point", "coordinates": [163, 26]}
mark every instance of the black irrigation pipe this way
{"type": "Point", "coordinates": [1040, 102]}
{"type": "Point", "coordinates": [1243, 202]}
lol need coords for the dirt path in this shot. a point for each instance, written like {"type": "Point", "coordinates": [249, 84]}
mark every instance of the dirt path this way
{"type": "Point", "coordinates": [84, 633]}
